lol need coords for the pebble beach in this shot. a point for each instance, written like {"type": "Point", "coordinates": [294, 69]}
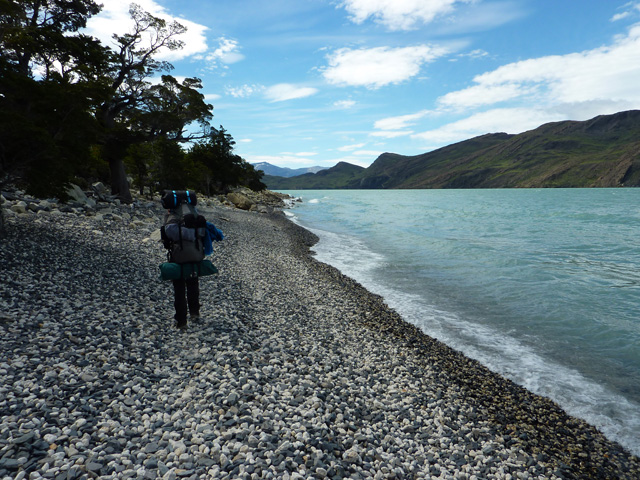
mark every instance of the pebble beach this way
{"type": "Point", "coordinates": [294, 371]}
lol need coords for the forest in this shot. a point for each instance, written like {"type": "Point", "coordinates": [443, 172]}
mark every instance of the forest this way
{"type": "Point", "coordinates": [73, 110]}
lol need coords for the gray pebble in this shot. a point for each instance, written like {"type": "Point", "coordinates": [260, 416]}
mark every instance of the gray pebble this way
{"type": "Point", "coordinates": [295, 371]}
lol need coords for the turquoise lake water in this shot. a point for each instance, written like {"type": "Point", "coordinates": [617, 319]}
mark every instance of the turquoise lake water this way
{"type": "Point", "coordinates": [540, 285]}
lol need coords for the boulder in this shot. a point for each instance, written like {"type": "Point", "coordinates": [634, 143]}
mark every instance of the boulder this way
{"type": "Point", "coordinates": [100, 189]}
{"type": "Point", "coordinates": [239, 200]}
{"type": "Point", "coordinates": [243, 191]}
{"type": "Point", "coordinates": [19, 207]}
{"type": "Point", "coordinates": [76, 194]}
{"type": "Point", "coordinates": [273, 199]}
{"type": "Point", "coordinates": [102, 192]}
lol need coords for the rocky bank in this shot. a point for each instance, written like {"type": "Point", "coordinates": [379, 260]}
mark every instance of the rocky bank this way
{"type": "Point", "coordinates": [295, 371]}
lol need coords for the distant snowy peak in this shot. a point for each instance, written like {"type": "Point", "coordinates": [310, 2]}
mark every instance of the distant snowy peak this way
{"type": "Point", "coordinates": [269, 169]}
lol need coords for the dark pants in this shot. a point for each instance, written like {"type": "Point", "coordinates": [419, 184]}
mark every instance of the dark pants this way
{"type": "Point", "coordinates": [192, 300]}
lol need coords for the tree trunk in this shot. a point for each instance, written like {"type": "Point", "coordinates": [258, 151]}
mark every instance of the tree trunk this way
{"type": "Point", "coordinates": [115, 147]}
{"type": "Point", "coordinates": [114, 152]}
{"type": "Point", "coordinates": [119, 183]}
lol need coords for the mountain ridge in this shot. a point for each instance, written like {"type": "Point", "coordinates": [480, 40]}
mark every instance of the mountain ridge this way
{"type": "Point", "coordinates": [270, 169]}
{"type": "Point", "coordinates": [601, 152]}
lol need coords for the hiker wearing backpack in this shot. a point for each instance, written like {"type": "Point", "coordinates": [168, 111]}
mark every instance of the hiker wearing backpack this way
{"type": "Point", "coordinates": [187, 236]}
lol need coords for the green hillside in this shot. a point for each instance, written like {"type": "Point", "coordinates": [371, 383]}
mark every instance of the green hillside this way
{"type": "Point", "coordinates": [341, 175]}
{"type": "Point", "coordinates": [601, 152]}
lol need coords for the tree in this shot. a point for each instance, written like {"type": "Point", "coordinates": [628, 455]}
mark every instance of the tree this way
{"type": "Point", "coordinates": [62, 93]}
{"type": "Point", "coordinates": [130, 66]}
{"type": "Point", "coordinates": [34, 33]}
{"type": "Point", "coordinates": [138, 162]}
{"type": "Point", "coordinates": [222, 169]}
{"type": "Point", "coordinates": [47, 86]}
{"type": "Point", "coordinates": [170, 167]}
{"type": "Point", "coordinates": [167, 109]}
{"type": "Point", "coordinates": [252, 178]}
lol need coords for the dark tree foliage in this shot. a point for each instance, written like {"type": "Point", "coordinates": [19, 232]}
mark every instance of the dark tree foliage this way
{"type": "Point", "coordinates": [138, 164]}
{"type": "Point", "coordinates": [167, 109]}
{"type": "Point", "coordinates": [46, 92]}
{"type": "Point", "coordinates": [220, 168]}
{"type": "Point", "coordinates": [34, 32]}
{"type": "Point", "coordinates": [170, 167]}
{"type": "Point", "coordinates": [73, 109]}
{"type": "Point", "coordinates": [252, 178]}
{"type": "Point", "coordinates": [160, 164]}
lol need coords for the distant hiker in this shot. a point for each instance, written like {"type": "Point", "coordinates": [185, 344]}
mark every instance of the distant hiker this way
{"type": "Point", "coordinates": [187, 236]}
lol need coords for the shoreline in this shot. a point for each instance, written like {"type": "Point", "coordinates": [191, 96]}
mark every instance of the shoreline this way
{"type": "Point", "coordinates": [480, 383]}
{"type": "Point", "coordinates": [296, 370]}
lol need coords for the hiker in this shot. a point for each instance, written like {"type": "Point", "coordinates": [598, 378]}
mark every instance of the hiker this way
{"type": "Point", "coordinates": [187, 236]}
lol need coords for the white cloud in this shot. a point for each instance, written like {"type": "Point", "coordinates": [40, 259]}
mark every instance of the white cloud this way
{"type": "Point", "coordinates": [478, 53]}
{"type": "Point", "coordinates": [368, 153]}
{"type": "Point", "coordinates": [483, 94]}
{"type": "Point", "coordinates": [226, 53]}
{"type": "Point", "coordinates": [344, 104]}
{"type": "Point", "coordinates": [115, 18]}
{"type": "Point", "coordinates": [400, 122]}
{"type": "Point", "coordinates": [287, 91]}
{"type": "Point", "coordinates": [399, 14]}
{"type": "Point", "coordinates": [633, 8]}
{"type": "Point", "coordinates": [606, 74]}
{"type": "Point", "coordinates": [350, 148]}
{"type": "Point", "coordinates": [391, 133]}
{"type": "Point", "coordinates": [575, 86]}
{"type": "Point", "coordinates": [483, 16]}
{"type": "Point", "coordinates": [243, 91]}
{"type": "Point", "coordinates": [212, 96]}
{"type": "Point", "coordinates": [620, 16]}
{"type": "Point", "coordinates": [379, 66]}
{"type": "Point", "coordinates": [283, 160]}
{"type": "Point", "coordinates": [394, 127]}
{"type": "Point", "coordinates": [245, 140]}
{"type": "Point", "coordinates": [508, 120]}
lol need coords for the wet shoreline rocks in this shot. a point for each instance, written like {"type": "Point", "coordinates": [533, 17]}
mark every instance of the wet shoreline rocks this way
{"type": "Point", "coordinates": [295, 371]}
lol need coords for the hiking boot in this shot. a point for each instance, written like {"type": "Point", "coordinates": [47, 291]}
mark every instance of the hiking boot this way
{"type": "Point", "coordinates": [194, 318]}
{"type": "Point", "coordinates": [181, 325]}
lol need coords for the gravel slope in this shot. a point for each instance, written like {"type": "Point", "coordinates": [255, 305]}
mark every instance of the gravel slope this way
{"type": "Point", "coordinates": [295, 371]}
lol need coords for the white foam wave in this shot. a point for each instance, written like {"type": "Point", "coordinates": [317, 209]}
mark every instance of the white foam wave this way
{"type": "Point", "coordinates": [291, 202]}
{"type": "Point", "coordinates": [615, 416]}
{"type": "Point", "coordinates": [346, 253]}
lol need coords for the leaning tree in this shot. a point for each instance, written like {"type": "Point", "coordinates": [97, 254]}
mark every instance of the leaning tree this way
{"type": "Point", "coordinates": [137, 111]}
{"type": "Point", "coordinates": [63, 92]}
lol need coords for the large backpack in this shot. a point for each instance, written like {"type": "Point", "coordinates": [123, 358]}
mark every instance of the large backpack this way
{"type": "Point", "coordinates": [183, 234]}
{"type": "Point", "coordinates": [172, 199]}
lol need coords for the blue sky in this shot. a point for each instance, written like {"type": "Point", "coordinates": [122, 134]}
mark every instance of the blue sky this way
{"type": "Point", "coordinates": [314, 82]}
